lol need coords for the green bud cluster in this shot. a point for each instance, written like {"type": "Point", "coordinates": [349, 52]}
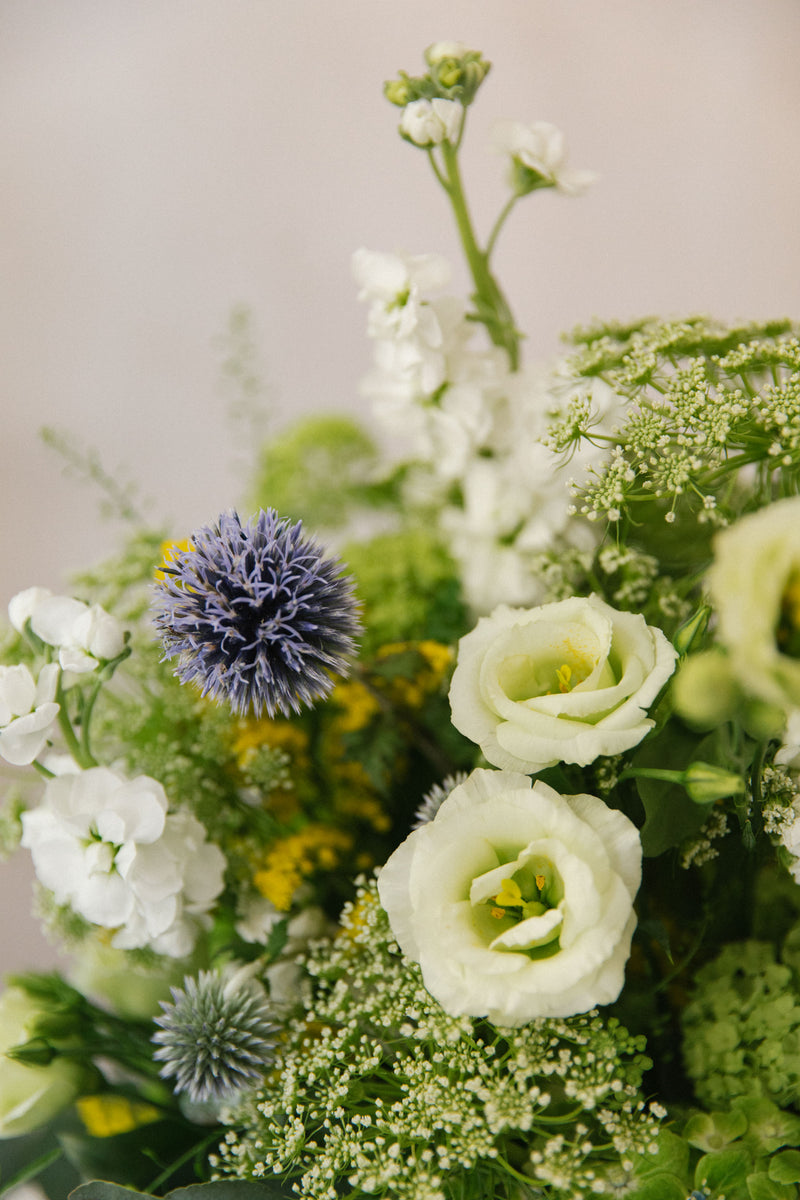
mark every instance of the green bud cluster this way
{"type": "Point", "coordinates": [742, 1027]}
{"type": "Point", "coordinates": [454, 73]}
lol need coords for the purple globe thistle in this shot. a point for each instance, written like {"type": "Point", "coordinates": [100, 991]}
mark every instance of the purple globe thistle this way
{"type": "Point", "coordinates": [257, 615]}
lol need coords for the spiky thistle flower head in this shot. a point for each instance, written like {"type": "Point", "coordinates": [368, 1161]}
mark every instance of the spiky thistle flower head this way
{"type": "Point", "coordinates": [433, 800]}
{"type": "Point", "coordinates": [216, 1037]}
{"type": "Point", "coordinates": [257, 614]}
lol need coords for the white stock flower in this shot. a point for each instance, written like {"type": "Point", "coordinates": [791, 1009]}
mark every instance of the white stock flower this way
{"type": "Point", "coordinates": [107, 846]}
{"type": "Point", "coordinates": [391, 278]}
{"type": "Point", "coordinates": [84, 635]}
{"type": "Point", "coordinates": [564, 682]}
{"type": "Point", "coordinates": [517, 902]}
{"type": "Point", "coordinates": [539, 150]}
{"type": "Point", "coordinates": [755, 588]}
{"type": "Point", "coordinates": [431, 122]}
{"type": "Point", "coordinates": [27, 712]}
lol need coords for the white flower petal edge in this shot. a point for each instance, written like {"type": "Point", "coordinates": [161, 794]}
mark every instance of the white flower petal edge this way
{"type": "Point", "coordinates": [443, 892]}
{"type": "Point", "coordinates": [564, 682]}
{"type": "Point", "coordinates": [28, 712]}
{"type": "Point", "coordinates": [108, 847]}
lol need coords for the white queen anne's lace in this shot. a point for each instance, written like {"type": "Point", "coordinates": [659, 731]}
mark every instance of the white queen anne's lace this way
{"type": "Point", "coordinates": [108, 847]}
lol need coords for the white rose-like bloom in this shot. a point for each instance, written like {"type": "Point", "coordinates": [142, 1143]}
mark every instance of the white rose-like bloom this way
{"type": "Point", "coordinates": [539, 147]}
{"type": "Point", "coordinates": [755, 588]}
{"type": "Point", "coordinates": [564, 682]}
{"type": "Point", "coordinates": [516, 902]}
{"type": "Point", "coordinates": [431, 122]}
{"type": "Point", "coordinates": [107, 846]}
{"type": "Point", "coordinates": [27, 712]}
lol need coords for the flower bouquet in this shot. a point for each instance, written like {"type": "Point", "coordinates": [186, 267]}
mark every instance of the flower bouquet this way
{"type": "Point", "coordinates": [451, 850]}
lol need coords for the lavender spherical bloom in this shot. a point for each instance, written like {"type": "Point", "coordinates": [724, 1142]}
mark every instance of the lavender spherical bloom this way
{"type": "Point", "coordinates": [257, 615]}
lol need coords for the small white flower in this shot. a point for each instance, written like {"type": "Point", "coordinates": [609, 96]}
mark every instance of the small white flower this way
{"type": "Point", "coordinates": [517, 902]}
{"type": "Point", "coordinates": [564, 682]}
{"type": "Point", "coordinates": [27, 712]}
{"type": "Point", "coordinates": [22, 606]}
{"type": "Point", "coordinates": [431, 122]}
{"type": "Point", "coordinates": [107, 846]}
{"type": "Point", "coordinates": [539, 150]}
{"type": "Point", "coordinates": [84, 635]}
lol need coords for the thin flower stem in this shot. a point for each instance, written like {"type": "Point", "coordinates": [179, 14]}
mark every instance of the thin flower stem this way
{"type": "Point", "coordinates": [499, 223]}
{"type": "Point", "coordinates": [82, 757]}
{"type": "Point", "coordinates": [493, 309]}
{"type": "Point", "coordinates": [42, 770]}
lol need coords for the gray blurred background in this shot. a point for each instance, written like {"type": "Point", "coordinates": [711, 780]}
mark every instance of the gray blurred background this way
{"type": "Point", "coordinates": [166, 161]}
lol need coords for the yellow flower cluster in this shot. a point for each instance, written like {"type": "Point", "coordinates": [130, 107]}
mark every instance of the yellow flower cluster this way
{"type": "Point", "coordinates": [436, 660]}
{"type": "Point", "coordinates": [292, 858]}
{"type": "Point", "coordinates": [106, 1116]}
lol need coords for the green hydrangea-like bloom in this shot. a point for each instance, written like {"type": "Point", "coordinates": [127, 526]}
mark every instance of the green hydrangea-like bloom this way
{"type": "Point", "coordinates": [742, 1029]}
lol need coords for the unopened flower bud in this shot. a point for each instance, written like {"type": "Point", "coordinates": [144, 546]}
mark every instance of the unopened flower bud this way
{"type": "Point", "coordinates": [705, 783]}
{"type": "Point", "coordinates": [704, 691]}
{"type": "Point", "coordinates": [692, 630]}
{"type": "Point", "coordinates": [397, 91]}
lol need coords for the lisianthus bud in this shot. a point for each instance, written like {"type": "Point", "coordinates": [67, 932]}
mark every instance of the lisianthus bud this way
{"type": "Point", "coordinates": [705, 783]}
{"type": "Point", "coordinates": [704, 691]}
{"type": "Point", "coordinates": [692, 630]}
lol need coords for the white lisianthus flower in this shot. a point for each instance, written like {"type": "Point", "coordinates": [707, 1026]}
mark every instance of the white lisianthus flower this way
{"type": "Point", "coordinates": [754, 583]}
{"type": "Point", "coordinates": [107, 846]}
{"type": "Point", "coordinates": [84, 635]}
{"type": "Point", "coordinates": [516, 902]}
{"type": "Point", "coordinates": [564, 682]}
{"type": "Point", "coordinates": [431, 122]}
{"type": "Point", "coordinates": [538, 157]}
{"type": "Point", "coordinates": [30, 1096]}
{"type": "Point", "coordinates": [27, 712]}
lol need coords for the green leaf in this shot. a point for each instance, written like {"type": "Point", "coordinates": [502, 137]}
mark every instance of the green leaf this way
{"type": "Point", "coordinates": [769, 1128]}
{"type": "Point", "coordinates": [133, 1158]}
{"type": "Point", "coordinates": [101, 1189]}
{"type": "Point", "coordinates": [31, 1170]}
{"type": "Point", "coordinates": [661, 1186]}
{"type": "Point", "coordinates": [714, 1131]}
{"type": "Point", "coordinates": [784, 1167]}
{"type": "Point", "coordinates": [230, 1189]}
{"type": "Point", "coordinates": [671, 1158]}
{"type": "Point", "coordinates": [761, 1187]}
{"type": "Point", "coordinates": [725, 1171]}
{"type": "Point", "coordinates": [670, 816]}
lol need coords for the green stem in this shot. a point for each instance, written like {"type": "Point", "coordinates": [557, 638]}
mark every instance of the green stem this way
{"type": "Point", "coordinates": [651, 773]}
{"type": "Point", "coordinates": [492, 306]}
{"type": "Point", "coordinates": [42, 770]}
{"type": "Point", "coordinates": [499, 223]}
{"type": "Point", "coordinates": [82, 757]}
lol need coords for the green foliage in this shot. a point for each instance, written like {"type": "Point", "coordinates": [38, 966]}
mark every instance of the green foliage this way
{"type": "Point", "coordinates": [699, 401]}
{"type": "Point", "coordinates": [742, 1027]}
{"type": "Point", "coordinates": [321, 470]}
{"type": "Point", "coordinates": [409, 587]}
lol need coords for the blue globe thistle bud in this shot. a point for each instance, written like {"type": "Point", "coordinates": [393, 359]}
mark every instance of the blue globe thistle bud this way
{"type": "Point", "coordinates": [215, 1038]}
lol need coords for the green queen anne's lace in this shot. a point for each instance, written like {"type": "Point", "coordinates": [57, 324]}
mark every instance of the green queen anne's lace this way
{"type": "Point", "coordinates": [376, 1091]}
